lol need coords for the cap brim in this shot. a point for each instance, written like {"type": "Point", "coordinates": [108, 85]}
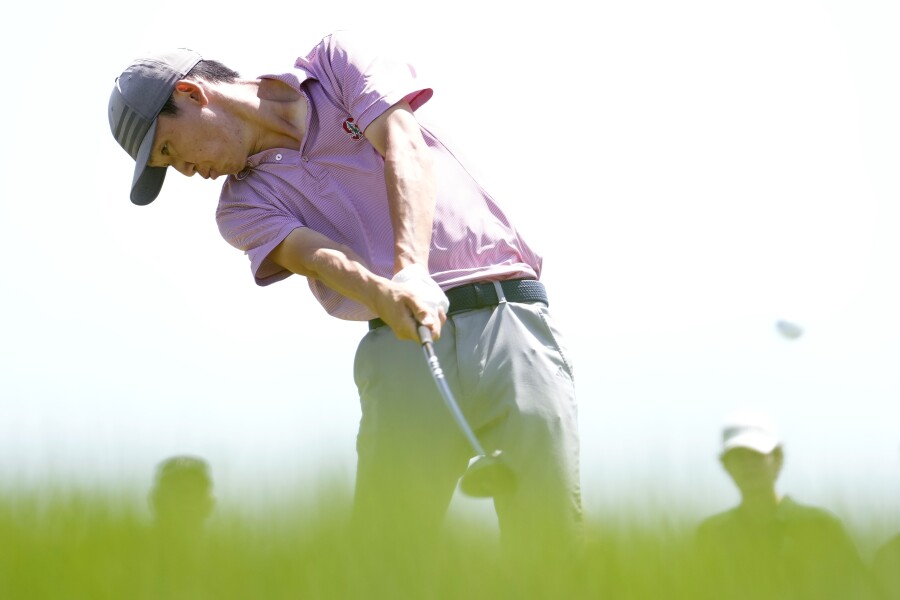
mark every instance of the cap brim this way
{"type": "Point", "coordinates": [147, 180]}
{"type": "Point", "coordinates": [752, 440]}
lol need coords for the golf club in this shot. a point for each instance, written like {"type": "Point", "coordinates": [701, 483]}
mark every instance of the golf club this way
{"type": "Point", "coordinates": [487, 475]}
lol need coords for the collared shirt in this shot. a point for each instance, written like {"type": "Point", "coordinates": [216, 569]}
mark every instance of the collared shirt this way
{"type": "Point", "coordinates": [797, 552]}
{"type": "Point", "coordinates": [335, 184]}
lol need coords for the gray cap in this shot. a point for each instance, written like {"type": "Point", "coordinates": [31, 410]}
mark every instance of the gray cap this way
{"type": "Point", "coordinates": [139, 94]}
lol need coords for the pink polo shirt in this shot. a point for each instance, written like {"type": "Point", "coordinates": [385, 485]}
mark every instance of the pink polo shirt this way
{"type": "Point", "coordinates": [335, 184]}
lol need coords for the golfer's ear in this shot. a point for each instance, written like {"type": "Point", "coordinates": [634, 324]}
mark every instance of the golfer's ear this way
{"type": "Point", "coordinates": [191, 90]}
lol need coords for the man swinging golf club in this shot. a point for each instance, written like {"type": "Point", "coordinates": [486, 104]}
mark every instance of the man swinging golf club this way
{"type": "Point", "coordinates": [329, 175]}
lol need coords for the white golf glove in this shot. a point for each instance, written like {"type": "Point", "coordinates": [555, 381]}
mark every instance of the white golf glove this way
{"type": "Point", "coordinates": [419, 279]}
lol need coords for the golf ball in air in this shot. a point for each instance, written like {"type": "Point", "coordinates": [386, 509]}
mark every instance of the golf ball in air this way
{"type": "Point", "coordinates": [789, 330]}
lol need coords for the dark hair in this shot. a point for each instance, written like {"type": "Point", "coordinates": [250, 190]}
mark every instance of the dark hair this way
{"type": "Point", "coordinates": [211, 71]}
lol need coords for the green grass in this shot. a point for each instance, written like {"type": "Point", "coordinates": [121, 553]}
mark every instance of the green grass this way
{"type": "Point", "coordinates": [67, 545]}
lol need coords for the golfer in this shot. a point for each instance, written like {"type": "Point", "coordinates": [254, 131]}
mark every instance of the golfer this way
{"type": "Point", "coordinates": [328, 174]}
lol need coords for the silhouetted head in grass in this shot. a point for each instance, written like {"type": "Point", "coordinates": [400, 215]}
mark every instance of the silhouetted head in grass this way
{"type": "Point", "coordinates": [182, 495]}
{"type": "Point", "coordinates": [753, 456]}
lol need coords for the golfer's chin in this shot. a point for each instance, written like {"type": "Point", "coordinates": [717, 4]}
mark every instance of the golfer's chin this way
{"type": "Point", "coordinates": [213, 174]}
{"type": "Point", "coordinates": [225, 171]}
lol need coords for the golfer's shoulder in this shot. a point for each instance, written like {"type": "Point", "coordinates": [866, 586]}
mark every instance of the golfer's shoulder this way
{"type": "Point", "coordinates": [791, 510]}
{"type": "Point", "coordinates": [718, 525]}
{"type": "Point", "coordinates": [342, 44]}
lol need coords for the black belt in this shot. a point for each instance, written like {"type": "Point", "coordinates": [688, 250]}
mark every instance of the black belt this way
{"type": "Point", "coordinates": [482, 295]}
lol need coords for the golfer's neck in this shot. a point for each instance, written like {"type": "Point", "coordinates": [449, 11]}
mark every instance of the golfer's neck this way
{"type": "Point", "coordinates": [761, 502]}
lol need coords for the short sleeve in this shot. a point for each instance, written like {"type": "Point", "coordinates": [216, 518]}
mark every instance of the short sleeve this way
{"type": "Point", "coordinates": [256, 230]}
{"type": "Point", "coordinates": [365, 79]}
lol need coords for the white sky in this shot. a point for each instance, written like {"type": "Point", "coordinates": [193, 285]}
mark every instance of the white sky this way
{"type": "Point", "coordinates": [690, 171]}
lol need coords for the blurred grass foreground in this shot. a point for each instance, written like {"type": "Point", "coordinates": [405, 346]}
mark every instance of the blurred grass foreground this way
{"type": "Point", "coordinates": [67, 545]}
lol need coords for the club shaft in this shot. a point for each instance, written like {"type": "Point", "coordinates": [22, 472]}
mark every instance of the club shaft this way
{"type": "Point", "coordinates": [444, 388]}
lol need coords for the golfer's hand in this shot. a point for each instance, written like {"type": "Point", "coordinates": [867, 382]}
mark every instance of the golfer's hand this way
{"type": "Point", "coordinates": [424, 300]}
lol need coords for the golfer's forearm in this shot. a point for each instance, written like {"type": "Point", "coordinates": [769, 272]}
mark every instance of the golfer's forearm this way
{"type": "Point", "coordinates": [347, 277]}
{"type": "Point", "coordinates": [411, 196]}
{"type": "Point", "coordinates": [312, 255]}
{"type": "Point", "coordinates": [409, 179]}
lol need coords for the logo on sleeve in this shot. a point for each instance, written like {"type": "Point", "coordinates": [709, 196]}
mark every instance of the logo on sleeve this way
{"type": "Point", "coordinates": [352, 128]}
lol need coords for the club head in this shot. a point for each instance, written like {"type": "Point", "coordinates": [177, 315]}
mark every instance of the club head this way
{"type": "Point", "coordinates": [487, 476]}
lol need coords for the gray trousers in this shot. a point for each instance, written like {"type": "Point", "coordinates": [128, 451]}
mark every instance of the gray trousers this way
{"type": "Point", "coordinates": [508, 369]}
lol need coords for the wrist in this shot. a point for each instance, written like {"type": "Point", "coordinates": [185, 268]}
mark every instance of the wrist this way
{"type": "Point", "coordinates": [413, 272]}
